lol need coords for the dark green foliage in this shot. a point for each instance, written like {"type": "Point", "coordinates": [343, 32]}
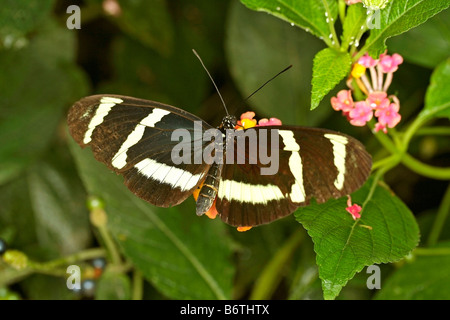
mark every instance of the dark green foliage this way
{"type": "Point", "coordinates": [145, 50]}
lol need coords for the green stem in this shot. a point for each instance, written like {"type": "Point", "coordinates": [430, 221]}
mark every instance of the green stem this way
{"type": "Point", "coordinates": [356, 42]}
{"type": "Point", "coordinates": [384, 162]}
{"type": "Point", "coordinates": [439, 221]}
{"type": "Point", "coordinates": [330, 20]}
{"type": "Point", "coordinates": [431, 251]}
{"type": "Point", "coordinates": [413, 127]}
{"type": "Point", "coordinates": [71, 259]}
{"type": "Point", "coordinates": [342, 7]}
{"type": "Point", "coordinates": [138, 285]}
{"type": "Point", "coordinates": [425, 169]}
{"type": "Point", "coordinates": [54, 268]}
{"type": "Point", "coordinates": [270, 277]}
{"type": "Point", "coordinates": [380, 173]}
{"type": "Point", "coordinates": [433, 131]}
{"type": "Point", "coordinates": [110, 245]}
{"type": "Point", "coordinates": [399, 148]}
{"type": "Point", "coordinates": [384, 140]}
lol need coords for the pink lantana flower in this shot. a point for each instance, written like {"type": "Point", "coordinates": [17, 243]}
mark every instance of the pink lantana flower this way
{"type": "Point", "coordinates": [247, 121]}
{"type": "Point", "coordinates": [377, 100]}
{"type": "Point", "coordinates": [353, 209]}
{"type": "Point", "coordinates": [367, 61]}
{"type": "Point", "coordinates": [269, 122]}
{"type": "Point", "coordinates": [389, 63]}
{"type": "Point", "coordinates": [389, 116]}
{"type": "Point", "coordinates": [248, 115]}
{"type": "Point", "coordinates": [360, 114]}
{"type": "Point", "coordinates": [380, 126]}
{"type": "Point", "coordinates": [343, 101]}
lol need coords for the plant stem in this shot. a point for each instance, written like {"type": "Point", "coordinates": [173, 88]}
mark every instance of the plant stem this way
{"type": "Point", "coordinates": [445, 251]}
{"type": "Point", "coordinates": [110, 245]}
{"type": "Point", "coordinates": [53, 268]}
{"type": "Point", "coordinates": [138, 285]}
{"type": "Point", "coordinates": [384, 140]}
{"type": "Point", "coordinates": [439, 221]}
{"type": "Point", "coordinates": [342, 8]}
{"type": "Point", "coordinates": [356, 43]}
{"type": "Point", "coordinates": [425, 169]}
{"type": "Point", "coordinates": [436, 131]}
{"type": "Point", "coordinates": [413, 127]}
{"type": "Point", "coordinates": [269, 278]}
{"type": "Point", "coordinates": [380, 173]}
{"type": "Point", "coordinates": [79, 256]}
{"type": "Point", "coordinates": [383, 162]}
{"type": "Point", "coordinates": [335, 41]}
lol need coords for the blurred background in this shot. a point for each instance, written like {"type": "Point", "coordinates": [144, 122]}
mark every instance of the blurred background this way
{"type": "Point", "coordinates": [144, 49]}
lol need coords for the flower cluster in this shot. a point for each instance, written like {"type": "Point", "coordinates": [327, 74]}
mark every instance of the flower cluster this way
{"type": "Point", "coordinates": [246, 121]}
{"type": "Point", "coordinates": [377, 103]}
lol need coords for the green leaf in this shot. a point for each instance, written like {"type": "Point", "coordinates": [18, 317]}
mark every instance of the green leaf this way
{"type": "Point", "coordinates": [423, 278]}
{"type": "Point", "coordinates": [113, 286]}
{"type": "Point", "coordinates": [355, 18]}
{"type": "Point", "coordinates": [386, 232]}
{"type": "Point", "coordinates": [415, 46]}
{"type": "Point", "coordinates": [397, 17]}
{"type": "Point", "coordinates": [16, 214]}
{"type": "Point", "coordinates": [146, 75]}
{"type": "Point", "coordinates": [182, 255]}
{"type": "Point", "coordinates": [18, 17]}
{"type": "Point", "coordinates": [310, 15]}
{"type": "Point", "coordinates": [437, 99]}
{"type": "Point", "coordinates": [41, 81]}
{"type": "Point", "coordinates": [330, 67]}
{"type": "Point", "coordinates": [61, 219]}
{"type": "Point", "coordinates": [253, 60]}
{"type": "Point", "coordinates": [44, 287]}
{"type": "Point", "coordinates": [148, 21]}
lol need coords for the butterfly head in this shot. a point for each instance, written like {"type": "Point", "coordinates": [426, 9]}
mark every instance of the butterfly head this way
{"type": "Point", "coordinates": [229, 122]}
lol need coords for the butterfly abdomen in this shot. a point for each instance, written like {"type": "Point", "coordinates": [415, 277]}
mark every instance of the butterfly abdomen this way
{"type": "Point", "coordinates": [209, 188]}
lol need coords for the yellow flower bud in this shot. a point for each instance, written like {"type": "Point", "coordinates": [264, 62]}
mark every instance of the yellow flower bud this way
{"type": "Point", "coordinates": [358, 70]}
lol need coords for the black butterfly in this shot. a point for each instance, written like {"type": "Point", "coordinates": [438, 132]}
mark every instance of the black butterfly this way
{"type": "Point", "coordinates": [133, 137]}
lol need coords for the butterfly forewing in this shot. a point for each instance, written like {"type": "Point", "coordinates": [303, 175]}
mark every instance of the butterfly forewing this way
{"type": "Point", "coordinates": [313, 163]}
{"type": "Point", "coordinates": [133, 137]}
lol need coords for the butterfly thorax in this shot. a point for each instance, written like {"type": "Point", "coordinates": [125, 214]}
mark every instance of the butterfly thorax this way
{"type": "Point", "coordinates": [228, 122]}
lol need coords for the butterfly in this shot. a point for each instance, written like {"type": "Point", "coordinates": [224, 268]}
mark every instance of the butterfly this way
{"type": "Point", "coordinates": [136, 138]}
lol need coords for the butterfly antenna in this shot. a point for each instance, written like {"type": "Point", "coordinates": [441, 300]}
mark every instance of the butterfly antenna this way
{"type": "Point", "coordinates": [285, 69]}
{"type": "Point", "coordinates": [212, 80]}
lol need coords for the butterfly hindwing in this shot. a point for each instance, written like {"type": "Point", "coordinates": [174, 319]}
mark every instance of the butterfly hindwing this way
{"type": "Point", "coordinates": [312, 163]}
{"type": "Point", "coordinates": [133, 137]}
